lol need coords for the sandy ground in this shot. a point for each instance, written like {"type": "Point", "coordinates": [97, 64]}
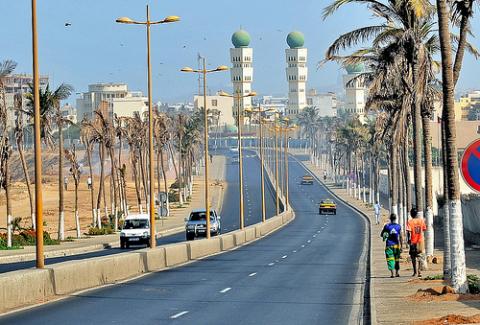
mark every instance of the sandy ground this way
{"type": "Point", "coordinates": [21, 205]}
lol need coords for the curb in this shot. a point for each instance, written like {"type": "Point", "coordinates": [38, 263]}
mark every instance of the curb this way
{"type": "Point", "coordinates": [369, 313]}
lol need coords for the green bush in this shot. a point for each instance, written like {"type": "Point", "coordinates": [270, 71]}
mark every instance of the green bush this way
{"type": "Point", "coordinates": [95, 231]}
{"type": "Point", "coordinates": [473, 284]}
{"type": "Point", "coordinates": [26, 238]}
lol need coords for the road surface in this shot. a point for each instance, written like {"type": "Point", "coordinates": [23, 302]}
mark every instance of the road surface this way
{"type": "Point", "coordinates": [310, 272]}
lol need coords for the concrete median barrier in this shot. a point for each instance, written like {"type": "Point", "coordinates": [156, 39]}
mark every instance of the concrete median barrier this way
{"type": "Point", "coordinates": [239, 237]}
{"type": "Point", "coordinates": [176, 254]}
{"type": "Point", "coordinates": [154, 259]}
{"type": "Point", "coordinates": [227, 242]}
{"type": "Point", "coordinates": [204, 247]}
{"type": "Point", "coordinates": [24, 287]}
{"type": "Point", "coordinates": [249, 233]}
{"type": "Point", "coordinates": [73, 276]}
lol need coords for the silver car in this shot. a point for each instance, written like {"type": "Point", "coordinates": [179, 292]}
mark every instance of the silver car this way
{"type": "Point", "coordinates": [196, 224]}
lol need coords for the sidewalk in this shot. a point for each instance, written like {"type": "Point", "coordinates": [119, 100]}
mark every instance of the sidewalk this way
{"type": "Point", "coordinates": [166, 226]}
{"type": "Point", "coordinates": [398, 300]}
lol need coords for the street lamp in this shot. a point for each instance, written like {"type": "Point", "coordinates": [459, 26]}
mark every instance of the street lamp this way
{"type": "Point", "coordinates": [148, 23]}
{"type": "Point", "coordinates": [40, 259]}
{"type": "Point", "coordinates": [260, 113]}
{"type": "Point", "coordinates": [204, 72]}
{"type": "Point", "coordinates": [286, 129]}
{"type": "Point", "coordinates": [237, 96]}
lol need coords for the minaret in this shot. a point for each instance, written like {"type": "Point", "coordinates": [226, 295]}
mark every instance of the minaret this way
{"type": "Point", "coordinates": [242, 70]}
{"type": "Point", "coordinates": [297, 72]}
{"type": "Point", "coordinates": [355, 91]}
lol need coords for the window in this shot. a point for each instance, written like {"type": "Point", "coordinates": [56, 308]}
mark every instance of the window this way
{"type": "Point", "coordinates": [214, 102]}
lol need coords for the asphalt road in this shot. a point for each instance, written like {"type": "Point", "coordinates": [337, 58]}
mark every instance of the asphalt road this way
{"type": "Point", "coordinates": [229, 213]}
{"type": "Point", "coordinates": [310, 272]}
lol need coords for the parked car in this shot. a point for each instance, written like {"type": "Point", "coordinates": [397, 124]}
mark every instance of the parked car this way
{"type": "Point", "coordinates": [307, 180]}
{"type": "Point", "coordinates": [196, 224]}
{"type": "Point", "coordinates": [135, 231]}
{"type": "Point", "coordinates": [327, 206]}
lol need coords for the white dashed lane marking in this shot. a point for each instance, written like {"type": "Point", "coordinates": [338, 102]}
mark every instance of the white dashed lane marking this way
{"type": "Point", "coordinates": [179, 314]}
{"type": "Point", "coordinates": [225, 290]}
{"type": "Point", "coordinates": [284, 256]}
{"type": "Point", "coordinates": [271, 264]}
{"type": "Point", "coordinates": [252, 274]}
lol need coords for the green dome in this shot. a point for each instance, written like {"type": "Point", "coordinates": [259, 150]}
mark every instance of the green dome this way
{"type": "Point", "coordinates": [355, 68]}
{"type": "Point", "coordinates": [241, 38]}
{"type": "Point", "coordinates": [295, 40]}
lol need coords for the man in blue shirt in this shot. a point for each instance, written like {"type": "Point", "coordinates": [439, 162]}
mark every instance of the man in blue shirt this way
{"type": "Point", "coordinates": [392, 235]}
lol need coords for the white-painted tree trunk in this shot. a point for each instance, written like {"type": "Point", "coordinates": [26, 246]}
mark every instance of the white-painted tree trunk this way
{"type": "Point", "coordinates": [99, 219]}
{"type": "Point", "coordinates": [447, 258]}
{"type": "Point", "coordinates": [457, 246]}
{"type": "Point", "coordinates": [9, 230]}
{"type": "Point", "coordinates": [364, 194]}
{"type": "Point", "coordinates": [370, 195]}
{"type": "Point", "coordinates": [430, 233]}
{"type": "Point", "coordinates": [354, 190]}
{"type": "Point", "coordinates": [141, 209]}
{"type": "Point", "coordinates": [116, 219]}
{"type": "Point", "coordinates": [34, 225]}
{"type": "Point", "coordinates": [94, 213]}
{"type": "Point", "coordinates": [377, 195]}
{"type": "Point", "coordinates": [77, 224]}
{"type": "Point", "coordinates": [61, 226]}
{"type": "Point", "coordinates": [359, 197]}
{"type": "Point", "coordinates": [401, 215]}
{"type": "Point", "coordinates": [394, 209]}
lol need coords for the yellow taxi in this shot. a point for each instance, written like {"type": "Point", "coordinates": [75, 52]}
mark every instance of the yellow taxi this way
{"type": "Point", "coordinates": [327, 206]}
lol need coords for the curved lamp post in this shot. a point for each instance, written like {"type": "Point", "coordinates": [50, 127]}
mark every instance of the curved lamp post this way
{"type": "Point", "coordinates": [204, 73]}
{"type": "Point", "coordinates": [148, 23]}
{"type": "Point", "coordinates": [237, 96]}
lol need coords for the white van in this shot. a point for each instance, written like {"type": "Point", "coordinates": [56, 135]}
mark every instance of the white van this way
{"type": "Point", "coordinates": [135, 231]}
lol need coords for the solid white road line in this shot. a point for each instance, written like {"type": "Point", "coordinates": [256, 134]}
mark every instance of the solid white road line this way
{"type": "Point", "coordinates": [294, 251]}
{"type": "Point", "coordinates": [284, 256]}
{"type": "Point", "coordinates": [271, 264]}
{"type": "Point", "coordinates": [179, 314]}
{"type": "Point", "coordinates": [225, 290]}
{"type": "Point", "coordinates": [252, 274]}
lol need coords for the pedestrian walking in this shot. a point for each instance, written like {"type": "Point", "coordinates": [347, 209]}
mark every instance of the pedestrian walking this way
{"type": "Point", "coordinates": [89, 183]}
{"type": "Point", "coordinates": [377, 207]}
{"type": "Point", "coordinates": [211, 158]}
{"type": "Point", "coordinates": [65, 183]}
{"type": "Point", "coordinates": [392, 235]}
{"type": "Point", "coordinates": [415, 229]}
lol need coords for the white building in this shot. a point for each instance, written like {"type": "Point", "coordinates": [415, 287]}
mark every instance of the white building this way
{"type": "Point", "coordinates": [325, 104]}
{"type": "Point", "coordinates": [297, 72]}
{"type": "Point", "coordinates": [69, 112]}
{"type": "Point", "coordinates": [274, 104]}
{"type": "Point", "coordinates": [355, 91]}
{"type": "Point", "coordinates": [120, 101]}
{"type": "Point", "coordinates": [18, 84]}
{"type": "Point", "coordinates": [242, 71]}
{"type": "Point", "coordinates": [222, 104]}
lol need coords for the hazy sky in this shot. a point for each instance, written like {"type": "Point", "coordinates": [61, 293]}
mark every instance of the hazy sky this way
{"type": "Point", "coordinates": [96, 49]}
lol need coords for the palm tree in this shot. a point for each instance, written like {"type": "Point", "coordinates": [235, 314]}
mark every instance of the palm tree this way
{"type": "Point", "coordinates": [450, 74]}
{"type": "Point", "coordinates": [6, 68]}
{"type": "Point", "coordinates": [75, 171]}
{"type": "Point", "coordinates": [19, 132]}
{"type": "Point", "coordinates": [88, 139]}
{"type": "Point", "coordinates": [162, 136]}
{"type": "Point", "coordinates": [50, 113]}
